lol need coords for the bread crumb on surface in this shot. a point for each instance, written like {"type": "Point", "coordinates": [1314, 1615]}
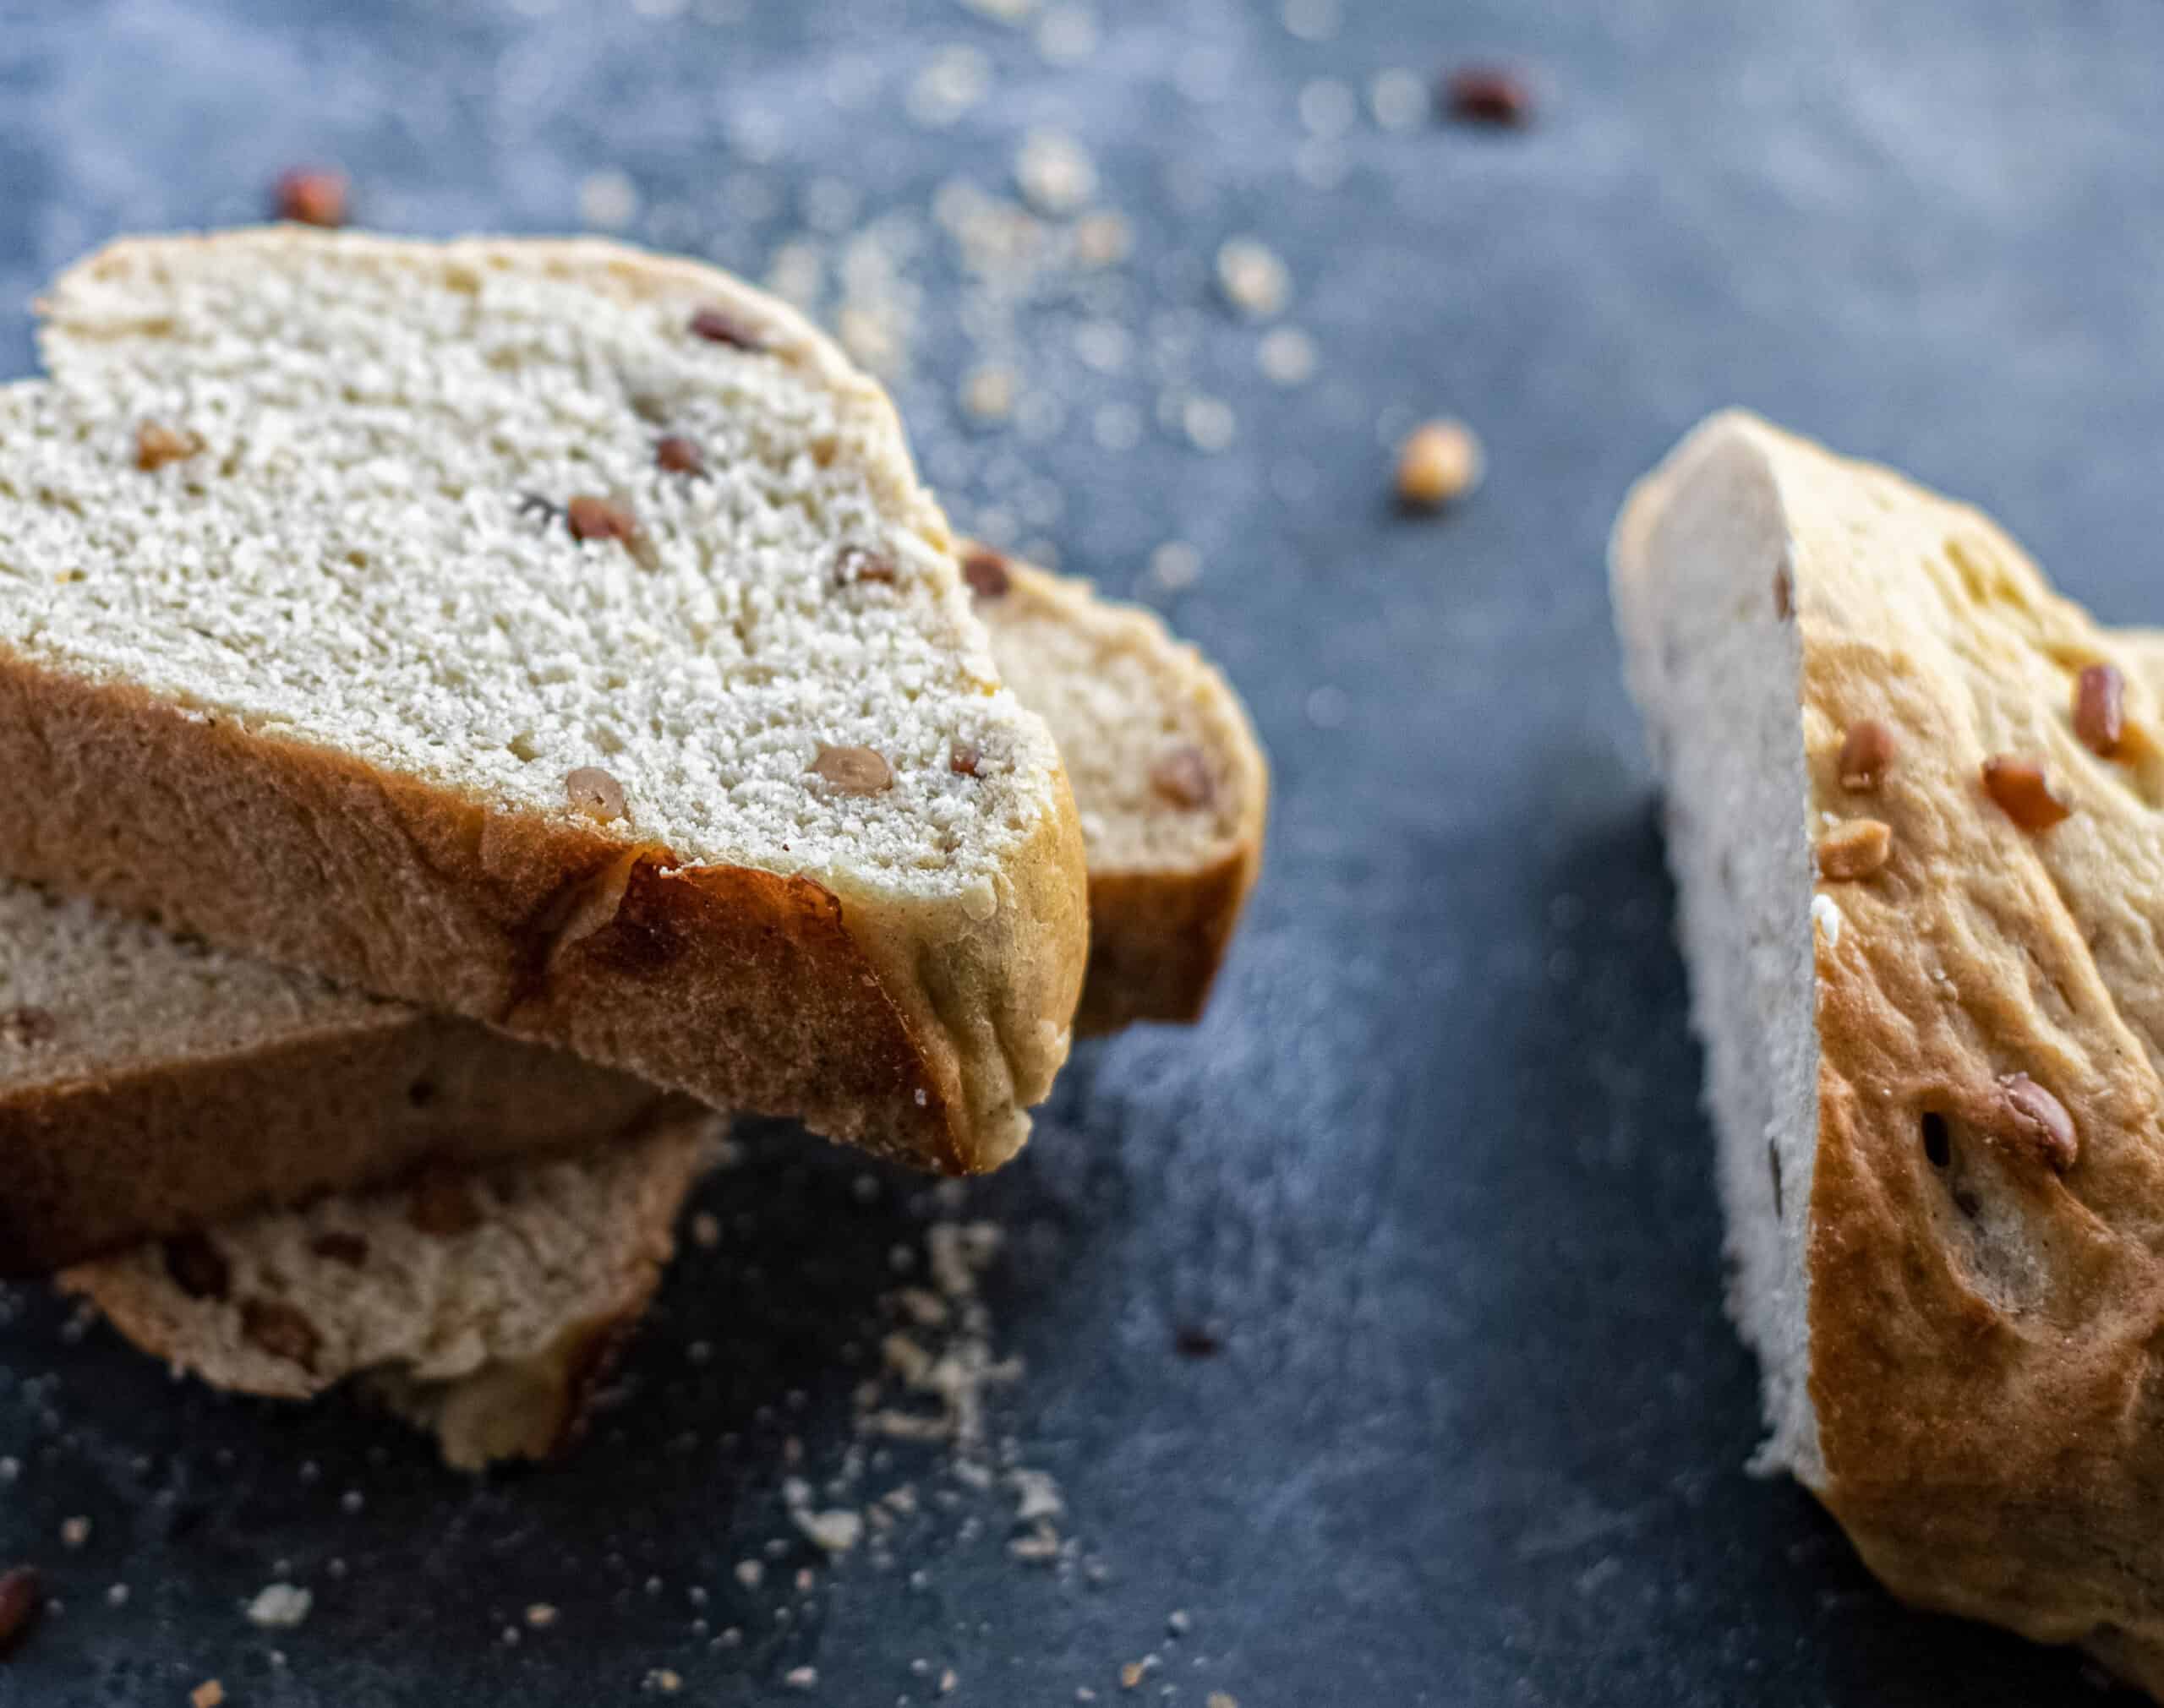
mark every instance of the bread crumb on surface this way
{"type": "Point", "coordinates": [540, 1616]}
{"type": "Point", "coordinates": [1398, 99]}
{"type": "Point", "coordinates": [279, 1606]}
{"type": "Point", "coordinates": [663, 1680]}
{"type": "Point", "coordinates": [209, 1693]}
{"type": "Point", "coordinates": [1055, 173]}
{"type": "Point", "coordinates": [801, 1678]}
{"type": "Point", "coordinates": [608, 201]}
{"type": "Point", "coordinates": [1253, 280]}
{"type": "Point", "coordinates": [1288, 356]}
{"type": "Point", "coordinates": [837, 1532]}
{"type": "Point", "coordinates": [74, 1532]}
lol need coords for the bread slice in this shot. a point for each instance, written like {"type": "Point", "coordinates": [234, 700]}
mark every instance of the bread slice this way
{"type": "Point", "coordinates": [1171, 783]}
{"type": "Point", "coordinates": [149, 1085]}
{"type": "Point", "coordinates": [1174, 853]}
{"type": "Point", "coordinates": [147, 1082]}
{"type": "Point", "coordinates": [547, 633]}
{"type": "Point", "coordinates": [1935, 1051]}
{"type": "Point", "coordinates": [488, 1303]}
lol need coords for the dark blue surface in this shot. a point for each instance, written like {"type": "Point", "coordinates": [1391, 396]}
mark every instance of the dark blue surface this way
{"type": "Point", "coordinates": [1434, 1167]}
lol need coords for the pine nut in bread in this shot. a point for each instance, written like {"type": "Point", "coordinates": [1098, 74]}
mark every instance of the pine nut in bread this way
{"type": "Point", "coordinates": [1937, 1094]}
{"type": "Point", "coordinates": [313, 690]}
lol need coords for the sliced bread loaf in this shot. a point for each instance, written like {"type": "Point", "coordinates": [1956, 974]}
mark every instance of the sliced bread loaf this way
{"type": "Point", "coordinates": [543, 632]}
{"type": "Point", "coordinates": [1174, 854]}
{"type": "Point", "coordinates": [488, 1303]}
{"type": "Point", "coordinates": [149, 1085]}
{"type": "Point", "coordinates": [1171, 783]}
{"type": "Point", "coordinates": [1912, 810]}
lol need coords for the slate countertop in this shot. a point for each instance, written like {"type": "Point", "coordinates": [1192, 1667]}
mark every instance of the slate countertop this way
{"type": "Point", "coordinates": [1430, 1188]}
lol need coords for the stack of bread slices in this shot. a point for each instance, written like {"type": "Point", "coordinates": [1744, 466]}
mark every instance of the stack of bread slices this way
{"type": "Point", "coordinates": [477, 714]}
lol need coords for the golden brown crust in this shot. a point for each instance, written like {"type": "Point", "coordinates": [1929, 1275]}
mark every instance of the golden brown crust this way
{"type": "Point", "coordinates": [1985, 1313]}
{"type": "Point", "coordinates": [1156, 940]}
{"type": "Point", "coordinates": [732, 984]}
{"type": "Point", "coordinates": [531, 1408]}
{"type": "Point", "coordinates": [87, 1167]}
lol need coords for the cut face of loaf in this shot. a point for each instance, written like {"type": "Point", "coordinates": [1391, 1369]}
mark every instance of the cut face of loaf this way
{"type": "Point", "coordinates": [1913, 802]}
{"type": "Point", "coordinates": [630, 1199]}
{"type": "Point", "coordinates": [489, 1303]}
{"type": "Point", "coordinates": [150, 1085]}
{"type": "Point", "coordinates": [547, 633]}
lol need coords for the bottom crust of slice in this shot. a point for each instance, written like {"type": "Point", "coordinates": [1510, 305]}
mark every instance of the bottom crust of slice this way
{"type": "Point", "coordinates": [486, 1306]}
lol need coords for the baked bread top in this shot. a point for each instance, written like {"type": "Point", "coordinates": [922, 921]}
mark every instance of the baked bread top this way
{"type": "Point", "coordinates": [1922, 867]}
{"type": "Point", "coordinates": [546, 631]}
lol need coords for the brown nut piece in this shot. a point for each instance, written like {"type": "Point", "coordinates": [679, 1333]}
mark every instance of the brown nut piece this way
{"type": "Point", "coordinates": [2100, 708]}
{"type": "Point", "coordinates": [1184, 778]}
{"type": "Point", "coordinates": [1439, 462]}
{"type": "Point", "coordinates": [1487, 94]}
{"type": "Point", "coordinates": [964, 760]}
{"type": "Point", "coordinates": [197, 1267]}
{"type": "Point", "coordinates": [719, 326]}
{"type": "Point", "coordinates": [855, 770]}
{"type": "Point", "coordinates": [593, 518]}
{"type": "Point", "coordinates": [280, 1330]}
{"type": "Point", "coordinates": [2040, 1120]}
{"type": "Point", "coordinates": [986, 572]}
{"type": "Point", "coordinates": [1867, 755]}
{"type": "Point", "coordinates": [157, 444]}
{"type": "Point", "coordinates": [21, 1596]}
{"type": "Point", "coordinates": [1854, 850]}
{"type": "Point", "coordinates": [674, 454]}
{"type": "Point", "coordinates": [858, 565]}
{"type": "Point", "coordinates": [2023, 793]}
{"type": "Point", "coordinates": [595, 794]}
{"type": "Point", "coordinates": [27, 1025]}
{"type": "Point", "coordinates": [311, 196]}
